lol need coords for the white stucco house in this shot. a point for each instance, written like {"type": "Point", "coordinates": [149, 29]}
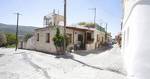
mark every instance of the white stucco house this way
{"type": "Point", "coordinates": [135, 38]}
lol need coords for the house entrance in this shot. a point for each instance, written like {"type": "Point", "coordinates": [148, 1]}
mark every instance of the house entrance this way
{"type": "Point", "coordinates": [81, 44]}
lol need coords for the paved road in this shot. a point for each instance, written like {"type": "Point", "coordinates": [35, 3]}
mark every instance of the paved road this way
{"type": "Point", "coordinates": [25, 64]}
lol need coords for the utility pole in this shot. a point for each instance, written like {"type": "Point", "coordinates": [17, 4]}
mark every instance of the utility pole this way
{"type": "Point", "coordinates": [106, 32]}
{"type": "Point", "coordinates": [65, 3]}
{"type": "Point", "coordinates": [94, 9]}
{"type": "Point", "coordinates": [17, 30]}
{"type": "Point", "coordinates": [94, 15]}
{"type": "Point", "coordinates": [55, 16]}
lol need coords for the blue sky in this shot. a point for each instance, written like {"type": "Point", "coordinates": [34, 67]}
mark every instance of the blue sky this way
{"type": "Point", "coordinates": [77, 10]}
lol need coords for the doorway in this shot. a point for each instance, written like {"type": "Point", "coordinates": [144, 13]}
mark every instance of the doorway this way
{"type": "Point", "coordinates": [81, 43]}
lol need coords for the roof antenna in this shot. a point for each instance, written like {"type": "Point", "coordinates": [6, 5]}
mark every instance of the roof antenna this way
{"type": "Point", "coordinates": [58, 11]}
{"type": "Point", "coordinates": [54, 17]}
{"type": "Point", "coordinates": [57, 17]}
{"type": "Point", "coordinates": [53, 11]}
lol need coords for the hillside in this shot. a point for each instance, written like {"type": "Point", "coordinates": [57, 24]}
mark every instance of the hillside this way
{"type": "Point", "coordinates": [12, 29]}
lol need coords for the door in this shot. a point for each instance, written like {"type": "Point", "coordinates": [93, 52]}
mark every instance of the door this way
{"type": "Point", "coordinates": [81, 41]}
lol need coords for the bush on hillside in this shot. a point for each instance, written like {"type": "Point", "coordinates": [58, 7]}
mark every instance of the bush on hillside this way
{"type": "Point", "coordinates": [3, 39]}
{"type": "Point", "coordinates": [11, 38]}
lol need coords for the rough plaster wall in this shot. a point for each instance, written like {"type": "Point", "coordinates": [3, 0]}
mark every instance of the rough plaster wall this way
{"type": "Point", "coordinates": [135, 46]}
{"type": "Point", "coordinates": [30, 43]}
{"type": "Point", "coordinates": [93, 45]}
{"type": "Point", "coordinates": [42, 45]}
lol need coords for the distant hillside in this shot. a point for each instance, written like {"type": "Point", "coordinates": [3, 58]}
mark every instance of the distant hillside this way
{"type": "Point", "coordinates": [12, 29]}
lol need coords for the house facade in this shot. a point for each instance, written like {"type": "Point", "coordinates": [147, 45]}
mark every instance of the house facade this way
{"type": "Point", "coordinates": [80, 37]}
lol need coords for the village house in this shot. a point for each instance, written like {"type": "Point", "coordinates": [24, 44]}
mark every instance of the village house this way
{"type": "Point", "coordinates": [80, 37]}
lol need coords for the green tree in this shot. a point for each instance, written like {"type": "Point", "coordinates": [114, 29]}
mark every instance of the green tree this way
{"type": "Point", "coordinates": [59, 41]}
{"type": "Point", "coordinates": [3, 39]}
{"type": "Point", "coordinates": [92, 25]}
{"type": "Point", "coordinates": [11, 38]}
{"type": "Point", "coordinates": [88, 24]}
{"type": "Point", "coordinates": [82, 23]}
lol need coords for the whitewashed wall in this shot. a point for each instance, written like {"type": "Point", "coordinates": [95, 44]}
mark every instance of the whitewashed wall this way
{"type": "Point", "coordinates": [136, 38]}
{"type": "Point", "coordinates": [30, 44]}
{"type": "Point", "coordinates": [42, 45]}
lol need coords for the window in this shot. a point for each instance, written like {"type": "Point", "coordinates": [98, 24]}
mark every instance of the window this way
{"type": "Point", "coordinates": [90, 36]}
{"type": "Point", "coordinates": [47, 37]}
{"type": "Point", "coordinates": [37, 36]}
{"type": "Point", "coordinates": [102, 39]}
{"type": "Point", "coordinates": [98, 37]}
{"type": "Point", "coordinates": [80, 37]}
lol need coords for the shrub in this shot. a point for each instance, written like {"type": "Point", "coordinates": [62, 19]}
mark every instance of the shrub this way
{"type": "Point", "coordinates": [11, 38]}
{"type": "Point", "coordinates": [3, 39]}
{"type": "Point", "coordinates": [82, 23]}
{"type": "Point", "coordinates": [59, 41]}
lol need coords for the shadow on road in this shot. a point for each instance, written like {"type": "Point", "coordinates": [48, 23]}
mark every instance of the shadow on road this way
{"type": "Point", "coordinates": [1, 55]}
{"type": "Point", "coordinates": [37, 68]}
{"type": "Point", "coordinates": [85, 64]}
{"type": "Point", "coordinates": [69, 56]}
